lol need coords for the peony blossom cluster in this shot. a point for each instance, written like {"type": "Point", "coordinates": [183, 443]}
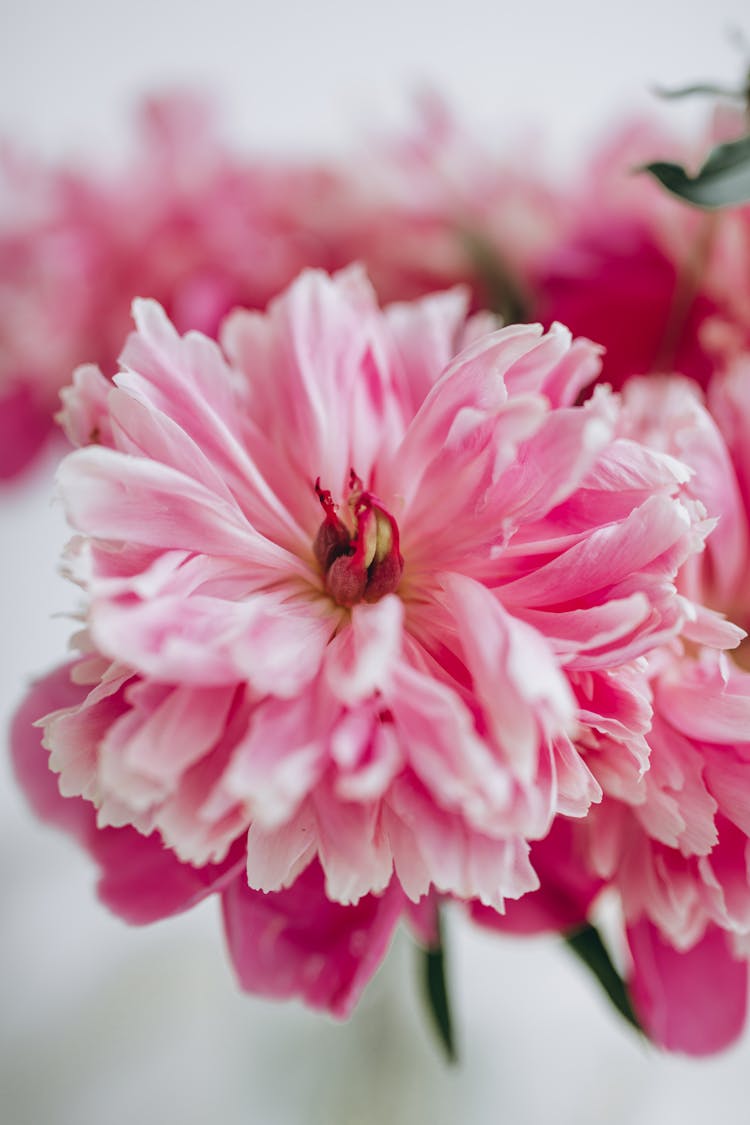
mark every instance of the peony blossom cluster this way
{"type": "Point", "coordinates": [202, 228]}
{"type": "Point", "coordinates": [387, 603]}
{"type": "Point", "coordinates": [665, 289]}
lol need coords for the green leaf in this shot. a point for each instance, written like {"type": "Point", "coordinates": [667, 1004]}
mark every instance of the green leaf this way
{"type": "Point", "coordinates": [436, 995]}
{"type": "Point", "coordinates": [709, 88]}
{"type": "Point", "coordinates": [587, 944]}
{"type": "Point", "coordinates": [723, 181]}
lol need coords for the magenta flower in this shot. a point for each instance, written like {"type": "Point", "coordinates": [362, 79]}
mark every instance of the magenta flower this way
{"type": "Point", "coordinates": [355, 598]}
{"type": "Point", "coordinates": [634, 255]}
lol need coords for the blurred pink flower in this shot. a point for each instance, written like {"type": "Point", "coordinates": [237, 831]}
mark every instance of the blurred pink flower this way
{"type": "Point", "coordinates": [660, 284]}
{"type": "Point", "coordinates": [202, 228]}
{"type": "Point", "coordinates": [434, 206]}
{"type": "Point", "coordinates": [183, 219]}
{"type": "Point", "coordinates": [346, 595]}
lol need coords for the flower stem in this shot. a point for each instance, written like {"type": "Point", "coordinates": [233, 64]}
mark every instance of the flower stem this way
{"type": "Point", "coordinates": [436, 994]}
{"type": "Point", "coordinates": [587, 944]}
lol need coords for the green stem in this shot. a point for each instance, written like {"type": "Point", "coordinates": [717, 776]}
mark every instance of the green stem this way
{"type": "Point", "coordinates": [436, 994]}
{"type": "Point", "coordinates": [587, 944]}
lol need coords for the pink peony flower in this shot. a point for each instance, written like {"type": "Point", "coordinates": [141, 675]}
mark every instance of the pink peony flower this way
{"type": "Point", "coordinates": [672, 837]}
{"type": "Point", "coordinates": [347, 589]}
{"type": "Point", "coordinates": [660, 284]}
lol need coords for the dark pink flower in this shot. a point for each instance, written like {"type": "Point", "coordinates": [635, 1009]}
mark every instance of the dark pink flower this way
{"type": "Point", "coordinates": [660, 284]}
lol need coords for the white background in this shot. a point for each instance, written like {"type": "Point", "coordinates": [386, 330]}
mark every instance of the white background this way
{"type": "Point", "coordinates": [103, 1025]}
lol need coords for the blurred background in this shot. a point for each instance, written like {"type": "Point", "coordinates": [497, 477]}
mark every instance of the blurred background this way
{"type": "Point", "coordinates": [103, 1025]}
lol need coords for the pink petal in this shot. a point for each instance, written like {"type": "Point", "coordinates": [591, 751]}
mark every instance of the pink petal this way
{"type": "Point", "coordinates": [552, 462]}
{"type": "Point", "coordinates": [318, 369]}
{"type": "Point", "coordinates": [275, 646]}
{"type": "Point", "coordinates": [110, 495]}
{"type": "Point", "coordinates": [472, 383]}
{"type": "Point", "coordinates": [564, 897]}
{"type": "Point", "coordinates": [139, 879]}
{"type": "Point", "coordinates": [426, 334]}
{"type": "Point", "coordinates": [652, 539]}
{"type": "Point", "coordinates": [359, 661]}
{"type": "Point", "coordinates": [432, 847]}
{"type": "Point", "coordinates": [438, 738]}
{"type": "Point", "coordinates": [558, 367]}
{"type": "Point", "coordinates": [297, 943]}
{"type": "Point", "coordinates": [525, 697]}
{"type": "Point", "coordinates": [281, 758]}
{"type": "Point", "coordinates": [694, 1002]}
{"type": "Point", "coordinates": [24, 428]}
{"type": "Point", "coordinates": [85, 411]}
{"type": "Point", "coordinates": [703, 706]}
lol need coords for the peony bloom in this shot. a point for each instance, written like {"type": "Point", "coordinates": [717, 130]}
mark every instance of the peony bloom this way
{"type": "Point", "coordinates": [672, 839]}
{"type": "Point", "coordinates": [359, 587]}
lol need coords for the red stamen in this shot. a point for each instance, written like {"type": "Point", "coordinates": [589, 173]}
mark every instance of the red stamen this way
{"type": "Point", "coordinates": [327, 503]}
{"type": "Point", "coordinates": [364, 565]}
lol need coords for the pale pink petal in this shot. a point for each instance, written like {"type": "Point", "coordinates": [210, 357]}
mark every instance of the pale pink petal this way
{"type": "Point", "coordinates": [187, 372]}
{"type": "Point", "coordinates": [85, 407]}
{"type": "Point", "coordinates": [707, 627]}
{"type": "Point", "coordinates": [360, 660]}
{"type": "Point", "coordinates": [325, 337]}
{"type": "Point", "coordinates": [703, 705]}
{"type": "Point", "coordinates": [353, 849]}
{"type": "Point", "coordinates": [577, 786]}
{"type": "Point", "coordinates": [460, 507]}
{"type": "Point", "coordinates": [281, 758]}
{"type": "Point", "coordinates": [473, 384]}
{"type": "Point", "coordinates": [144, 423]}
{"type": "Point", "coordinates": [558, 367]}
{"type": "Point", "coordinates": [275, 645]}
{"type": "Point", "coordinates": [725, 875]}
{"type": "Point", "coordinates": [554, 461]}
{"type": "Point", "coordinates": [564, 897]}
{"type": "Point", "coordinates": [667, 413]}
{"type": "Point", "coordinates": [114, 496]}
{"type": "Point", "coordinates": [276, 856]}
{"type": "Point", "coordinates": [432, 847]}
{"type": "Point", "coordinates": [439, 739]}
{"type": "Point", "coordinates": [426, 334]}
{"type": "Point", "coordinates": [525, 697]}
{"type": "Point", "coordinates": [679, 809]}
{"type": "Point", "coordinates": [601, 635]}
{"type": "Point", "coordinates": [366, 752]}
{"type": "Point", "coordinates": [164, 732]}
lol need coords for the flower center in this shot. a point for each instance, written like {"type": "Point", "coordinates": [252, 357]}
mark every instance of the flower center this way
{"type": "Point", "coordinates": [360, 560]}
